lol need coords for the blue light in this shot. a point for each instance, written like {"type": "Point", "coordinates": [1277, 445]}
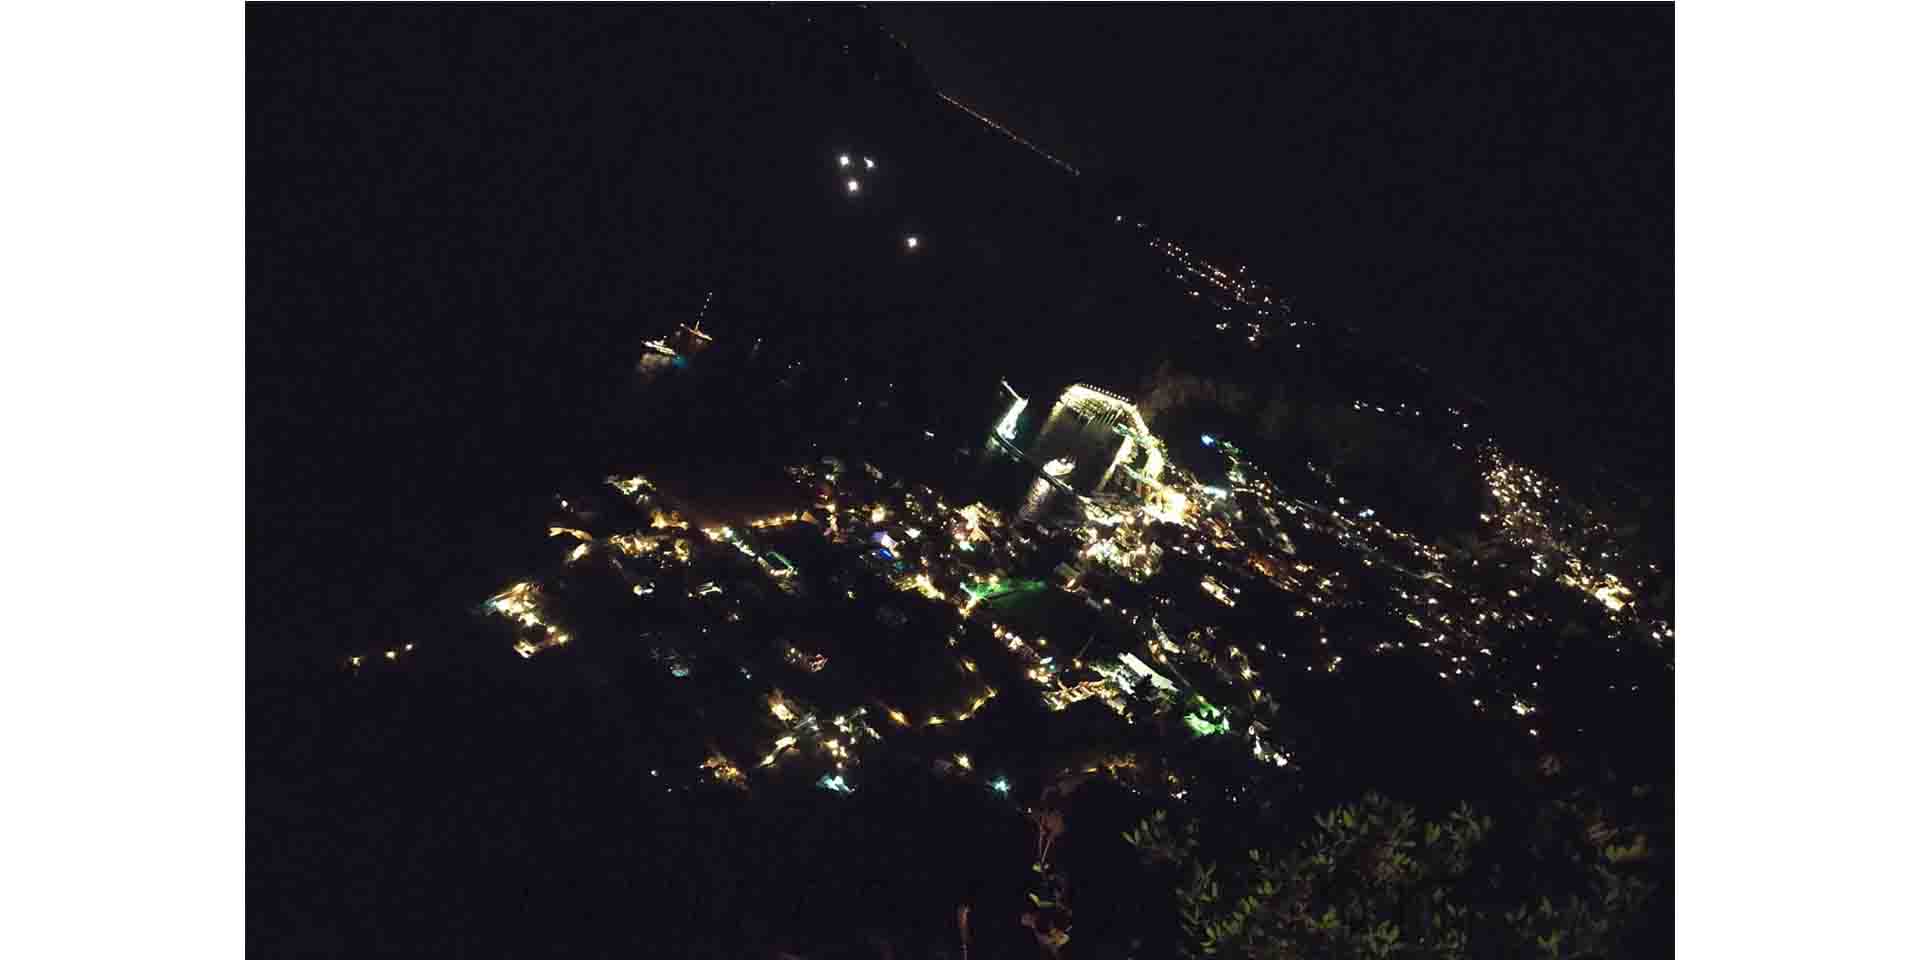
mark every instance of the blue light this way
{"type": "Point", "coordinates": [1206, 439]}
{"type": "Point", "coordinates": [1000, 785]}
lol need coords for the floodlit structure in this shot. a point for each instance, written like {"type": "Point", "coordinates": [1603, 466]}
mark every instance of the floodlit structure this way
{"type": "Point", "coordinates": [1008, 428]}
{"type": "Point", "coordinates": [1097, 437]}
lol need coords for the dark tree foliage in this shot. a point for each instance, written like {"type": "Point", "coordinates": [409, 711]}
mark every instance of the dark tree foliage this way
{"type": "Point", "coordinates": [1373, 879]}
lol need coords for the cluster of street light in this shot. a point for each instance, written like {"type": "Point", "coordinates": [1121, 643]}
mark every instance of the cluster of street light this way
{"type": "Point", "coordinates": [1244, 300]}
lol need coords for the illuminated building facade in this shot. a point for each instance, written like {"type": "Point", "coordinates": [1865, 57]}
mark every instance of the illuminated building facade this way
{"type": "Point", "coordinates": [1007, 428]}
{"type": "Point", "coordinates": [1094, 439]}
{"type": "Point", "coordinates": [689, 340]}
{"type": "Point", "coordinates": [673, 350]}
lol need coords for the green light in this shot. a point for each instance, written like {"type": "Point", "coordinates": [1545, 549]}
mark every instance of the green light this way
{"type": "Point", "coordinates": [1207, 719]}
{"type": "Point", "coordinates": [989, 591]}
{"type": "Point", "coordinates": [1001, 786]}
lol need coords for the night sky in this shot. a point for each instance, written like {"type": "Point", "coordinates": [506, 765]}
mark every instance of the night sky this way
{"type": "Point", "coordinates": [1490, 187]}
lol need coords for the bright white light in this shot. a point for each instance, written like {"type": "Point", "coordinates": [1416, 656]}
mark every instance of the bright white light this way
{"type": "Point", "coordinates": [1010, 424]}
{"type": "Point", "coordinates": [913, 243]}
{"type": "Point", "coordinates": [853, 186]}
{"type": "Point", "coordinates": [844, 160]}
{"type": "Point", "coordinates": [869, 161]}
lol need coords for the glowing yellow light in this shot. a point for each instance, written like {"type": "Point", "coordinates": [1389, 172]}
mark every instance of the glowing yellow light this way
{"type": "Point", "coordinates": [1610, 596]}
{"type": "Point", "coordinates": [724, 770]}
{"type": "Point", "coordinates": [393, 654]}
{"type": "Point", "coordinates": [965, 762]}
{"type": "Point", "coordinates": [631, 545]}
{"type": "Point", "coordinates": [1168, 506]}
{"type": "Point", "coordinates": [1218, 592]}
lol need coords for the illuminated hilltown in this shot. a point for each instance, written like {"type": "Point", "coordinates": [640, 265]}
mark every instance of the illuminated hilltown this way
{"type": "Point", "coordinates": [1118, 583]}
{"type": "Point", "coordinates": [732, 483]}
{"type": "Point", "coordinates": [1181, 592]}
